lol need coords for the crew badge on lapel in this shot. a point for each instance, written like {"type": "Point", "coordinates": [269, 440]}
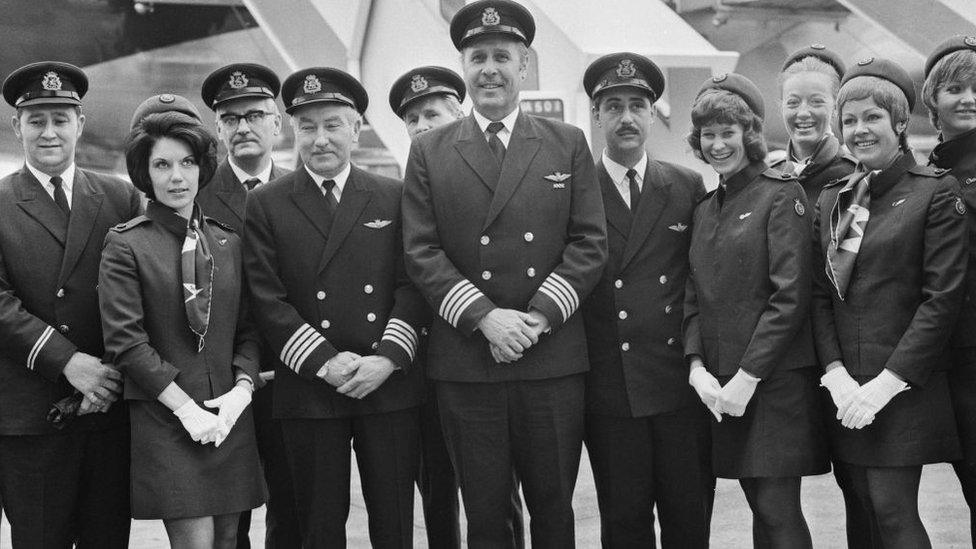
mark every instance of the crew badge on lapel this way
{"type": "Point", "coordinates": [558, 179]}
{"type": "Point", "coordinates": [378, 223]}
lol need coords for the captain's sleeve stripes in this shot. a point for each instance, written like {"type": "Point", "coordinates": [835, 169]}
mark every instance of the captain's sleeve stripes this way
{"type": "Point", "coordinates": [457, 301]}
{"type": "Point", "coordinates": [402, 334]}
{"type": "Point", "coordinates": [561, 293]}
{"type": "Point", "coordinates": [38, 345]}
{"type": "Point", "coordinates": [300, 346]}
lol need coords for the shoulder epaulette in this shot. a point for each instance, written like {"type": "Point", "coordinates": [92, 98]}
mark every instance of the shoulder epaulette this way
{"type": "Point", "coordinates": [219, 223]}
{"type": "Point", "coordinates": [928, 171]}
{"type": "Point", "coordinates": [134, 222]}
{"type": "Point", "coordinates": [773, 173]}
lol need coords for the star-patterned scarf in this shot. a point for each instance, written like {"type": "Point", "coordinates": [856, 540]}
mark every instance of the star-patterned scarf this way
{"type": "Point", "coordinates": [198, 270]}
{"type": "Point", "coordinates": [848, 219]}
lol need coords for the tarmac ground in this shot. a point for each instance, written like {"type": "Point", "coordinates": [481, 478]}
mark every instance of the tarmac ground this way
{"type": "Point", "coordinates": [941, 505]}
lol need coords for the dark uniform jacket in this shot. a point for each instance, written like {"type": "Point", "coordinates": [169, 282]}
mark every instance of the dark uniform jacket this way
{"type": "Point", "coordinates": [747, 301]}
{"type": "Point", "coordinates": [959, 155]}
{"type": "Point", "coordinates": [321, 285]}
{"type": "Point", "coordinates": [907, 284]}
{"type": "Point", "coordinates": [49, 291]}
{"type": "Point", "coordinates": [223, 198]}
{"type": "Point", "coordinates": [144, 318]}
{"type": "Point", "coordinates": [528, 234]}
{"type": "Point", "coordinates": [828, 163]}
{"type": "Point", "coordinates": [633, 317]}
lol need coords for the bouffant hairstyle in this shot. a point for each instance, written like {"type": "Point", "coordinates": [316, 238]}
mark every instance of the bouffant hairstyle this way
{"type": "Point", "coordinates": [174, 125]}
{"type": "Point", "coordinates": [716, 106]}
{"type": "Point", "coordinates": [810, 64]}
{"type": "Point", "coordinates": [885, 95]}
{"type": "Point", "coordinates": [958, 66]}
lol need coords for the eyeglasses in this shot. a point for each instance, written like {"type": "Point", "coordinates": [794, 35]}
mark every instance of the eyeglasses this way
{"type": "Point", "coordinates": [232, 120]}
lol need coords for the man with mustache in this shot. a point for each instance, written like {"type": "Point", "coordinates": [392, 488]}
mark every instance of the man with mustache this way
{"type": "Point", "coordinates": [62, 484]}
{"type": "Point", "coordinates": [242, 96]}
{"type": "Point", "coordinates": [504, 235]}
{"type": "Point", "coordinates": [647, 436]}
{"type": "Point", "coordinates": [324, 261]}
{"type": "Point", "coordinates": [427, 98]}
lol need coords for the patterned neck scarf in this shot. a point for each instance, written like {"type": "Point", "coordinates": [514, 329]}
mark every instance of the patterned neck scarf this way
{"type": "Point", "coordinates": [848, 219]}
{"type": "Point", "coordinates": [198, 271]}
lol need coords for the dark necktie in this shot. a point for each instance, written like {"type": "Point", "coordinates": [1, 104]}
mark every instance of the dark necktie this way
{"type": "Point", "coordinates": [634, 189]}
{"type": "Point", "coordinates": [60, 198]}
{"type": "Point", "coordinates": [251, 183]}
{"type": "Point", "coordinates": [494, 143]}
{"type": "Point", "coordinates": [328, 185]}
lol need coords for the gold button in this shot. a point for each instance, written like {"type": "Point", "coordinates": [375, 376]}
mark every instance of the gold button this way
{"type": "Point", "coordinates": [368, 288]}
{"type": "Point", "coordinates": [625, 346]}
{"type": "Point", "coordinates": [667, 310]}
{"type": "Point", "coordinates": [486, 275]}
{"type": "Point", "coordinates": [530, 272]}
{"type": "Point", "coordinates": [663, 279]}
{"type": "Point", "coordinates": [618, 283]}
{"type": "Point", "coordinates": [622, 315]}
{"type": "Point", "coordinates": [371, 317]}
{"type": "Point", "coordinates": [672, 341]}
{"type": "Point", "coordinates": [485, 240]}
{"type": "Point", "coordinates": [63, 328]}
{"type": "Point", "coordinates": [60, 292]}
{"type": "Point", "coordinates": [325, 324]}
{"type": "Point", "coordinates": [320, 295]}
{"type": "Point", "coordinates": [528, 237]}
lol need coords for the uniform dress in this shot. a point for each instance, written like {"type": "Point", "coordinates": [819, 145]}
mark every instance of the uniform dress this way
{"type": "Point", "coordinates": [747, 305]}
{"type": "Point", "coordinates": [223, 199]}
{"type": "Point", "coordinates": [328, 282]}
{"type": "Point", "coordinates": [901, 303]}
{"type": "Point", "coordinates": [48, 311]}
{"type": "Point", "coordinates": [646, 432]}
{"type": "Point", "coordinates": [828, 163]}
{"type": "Point", "coordinates": [147, 337]}
{"type": "Point", "coordinates": [528, 232]}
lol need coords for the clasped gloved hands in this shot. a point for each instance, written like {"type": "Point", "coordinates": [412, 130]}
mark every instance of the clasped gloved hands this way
{"type": "Point", "coordinates": [707, 388]}
{"type": "Point", "coordinates": [737, 393]}
{"type": "Point", "coordinates": [841, 386]}
{"type": "Point", "coordinates": [230, 406]}
{"type": "Point", "coordinates": [202, 426]}
{"type": "Point", "coordinates": [869, 399]}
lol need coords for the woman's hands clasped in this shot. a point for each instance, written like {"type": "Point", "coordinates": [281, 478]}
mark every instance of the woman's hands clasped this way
{"type": "Point", "coordinates": [202, 426]}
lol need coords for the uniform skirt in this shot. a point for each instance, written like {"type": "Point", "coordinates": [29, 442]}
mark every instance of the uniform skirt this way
{"type": "Point", "coordinates": [780, 434]}
{"type": "Point", "coordinates": [174, 477]}
{"type": "Point", "coordinates": [915, 428]}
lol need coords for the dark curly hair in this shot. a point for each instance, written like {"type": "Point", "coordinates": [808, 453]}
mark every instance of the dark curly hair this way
{"type": "Point", "coordinates": [717, 106]}
{"type": "Point", "coordinates": [174, 125]}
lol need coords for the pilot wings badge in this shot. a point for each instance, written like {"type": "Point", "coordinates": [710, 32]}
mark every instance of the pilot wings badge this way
{"type": "Point", "coordinates": [378, 223]}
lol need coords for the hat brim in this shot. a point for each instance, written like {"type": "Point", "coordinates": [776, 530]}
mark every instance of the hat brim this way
{"type": "Point", "coordinates": [50, 101]}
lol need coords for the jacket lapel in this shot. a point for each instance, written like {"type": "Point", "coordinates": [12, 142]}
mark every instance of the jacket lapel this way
{"type": "Point", "coordinates": [473, 148]}
{"type": "Point", "coordinates": [231, 192]}
{"type": "Point", "coordinates": [355, 196]}
{"type": "Point", "coordinates": [522, 148]}
{"type": "Point", "coordinates": [307, 196]}
{"type": "Point", "coordinates": [654, 198]}
{"type": "Point", "coordinates": [618, 214]}
{"type": "Point", "coordinates": [85, 203]}
{"type": "Point", "coordinates": [38, 204]}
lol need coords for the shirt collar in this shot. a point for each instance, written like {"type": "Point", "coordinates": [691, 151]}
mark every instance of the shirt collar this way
{"type": "Point", "coordinates": [67, 177]}
{"type": "Point", "coordinates": [618, 172]}
{"type": "Point", "coordinates": [243, 176]}
{"type": "Point", "coordinates": [483, 122]}
{"type": "Point", "coordinates": [340, 178]}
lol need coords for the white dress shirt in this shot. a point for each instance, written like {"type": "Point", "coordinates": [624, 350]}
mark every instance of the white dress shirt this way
{"type": "Point", "coordinates": [505, 135]}
{"type": "Point", "coordinates": [243, 176]}
{"type": "Point", "coordinates": [618, 174]}
{"type": "Point", "coordinates": [340, 181]}
{"type": "Point", "coordinates": [67, 178]}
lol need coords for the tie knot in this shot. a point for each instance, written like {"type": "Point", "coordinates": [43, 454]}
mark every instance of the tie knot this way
{"type": "Point", "coordinates": [495, 127]}
{"type": "Point", "coordinates": [57, 181]}
{"type": "Point", "coordinates": [631, 174]}
{"type": "Point", "coordinates": [249, 184]}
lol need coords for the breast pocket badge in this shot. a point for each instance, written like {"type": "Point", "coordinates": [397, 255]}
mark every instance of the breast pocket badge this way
{"type": "Point", "coordinates": [678, 227]}
{"type": "Point", "coordinates": [558, 179]}
{"type": "Point", "coordinates": [378, 223]}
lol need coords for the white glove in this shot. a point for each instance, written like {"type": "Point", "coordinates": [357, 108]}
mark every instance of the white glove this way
{"type": "Point", "coordinates": [202, 426]}
{"type": "Point", "coordinates": [737, 393]}
{"type": "Point", "coordinates": [869, 399]}
{"type": "Point", "coordinates": [231, 405]}
{"type": "Point", "coordinates": [841, 386]}
{"type": "Point", "coordinates": [707, 388]}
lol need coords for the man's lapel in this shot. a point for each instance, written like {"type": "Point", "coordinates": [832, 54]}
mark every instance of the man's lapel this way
{"type": "Point", "coordinates": [617, 212]}
{"type": "Point", "coordinates": [86, 200]}
{"type": "Point", "coordinates": [654, 198]}
{"type": "Point", "coordinates": [473, 148]}
{"type": "Point", "coordinates": [355, 196]}
{"type": "Point", "coordinates": [39, 205]}
{"type": "Point", "coordinates": [308, 197]}
{"type": "Point", "coordinates": [522, 148]}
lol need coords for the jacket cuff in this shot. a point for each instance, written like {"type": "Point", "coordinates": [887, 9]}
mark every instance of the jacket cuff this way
{"type": "Point", "coordinates": [399, 343]}
{"type": "Point", "coordinates": [556, 299]}
{"type": "Point", "coordinates": [49, 354]}
{"type": "Point", "coordinates": [306, 351]}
